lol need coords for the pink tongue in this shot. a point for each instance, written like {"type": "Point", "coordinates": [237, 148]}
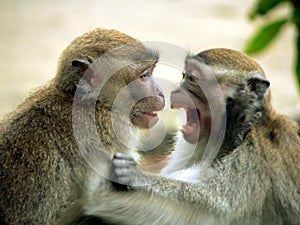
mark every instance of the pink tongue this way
{"type": "Point", "coordinates": [150, 119]}
{"type": "Point", "coordinates": [191, 132]}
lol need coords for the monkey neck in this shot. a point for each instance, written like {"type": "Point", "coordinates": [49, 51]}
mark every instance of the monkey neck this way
{"type": "Point", "coordinates": [200, 154]}
{"type": "Point", "coordinates": [186, 155]}
{"type": "Point", "coordinates": [116, 132]}
{"type": "Point", "coordinates": [97, 130]}
{"type": "Point", "coordinates": [268, 113]}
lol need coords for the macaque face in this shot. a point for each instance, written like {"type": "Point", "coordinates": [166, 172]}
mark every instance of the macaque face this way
{"type": "Point", "coordinates": [191, 95]}
{"type": "Point", "coordinates": [148, 95]}
{"type": "Point", "coordinates": [128, 85]}
{"type": "Point", "coordinates": [210, 80]}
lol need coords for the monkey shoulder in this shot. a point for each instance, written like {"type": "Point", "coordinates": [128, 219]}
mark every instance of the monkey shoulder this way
{"type": "Point", "coordinates": [285, 132]}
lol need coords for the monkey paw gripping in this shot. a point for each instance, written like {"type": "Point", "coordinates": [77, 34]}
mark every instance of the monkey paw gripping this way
{"type": "Point", "coordinates": [126, 174]}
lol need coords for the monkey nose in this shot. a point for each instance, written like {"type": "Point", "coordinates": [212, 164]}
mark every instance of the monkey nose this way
{"type": "Point", "coordinates": [176, 90]}
{"type": "Point", "coordinates": [159, 91]}
{"type": "Point", "coordinates": [162, 99]}
{"type": "Point", "coordinates": [161, 95]}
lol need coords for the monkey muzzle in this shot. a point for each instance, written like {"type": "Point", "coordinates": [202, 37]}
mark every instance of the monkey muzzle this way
{"type": "Point", "coordinates": [144, 113]}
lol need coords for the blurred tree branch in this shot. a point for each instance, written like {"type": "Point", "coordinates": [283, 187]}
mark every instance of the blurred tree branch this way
{"type": "Point", "coordinates": [271, 29]}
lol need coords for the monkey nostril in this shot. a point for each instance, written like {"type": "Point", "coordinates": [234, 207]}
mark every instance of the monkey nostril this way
{"type": "Point", "coordinates": [162, 97]}
{"type": "Point", "coordinates": [159, 90]}
{"type": "Point", "coordinates": [161, 100]}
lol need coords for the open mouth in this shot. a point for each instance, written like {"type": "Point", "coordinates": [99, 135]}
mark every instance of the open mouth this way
{"type": "Point", "coordinates": [191, 130]}
{"type": "Point", "coordinates": [147, 119]}
{"type": "Point", "coordinates": [144, 114]}
{"type": "Point", "coordinates": [147, 114]}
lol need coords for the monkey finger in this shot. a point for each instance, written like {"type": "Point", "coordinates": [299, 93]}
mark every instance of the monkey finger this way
{"type": "Point", "coordinates": [119, 155]}
{"type": "Point", "coordinates": [124, 181]}
{"type": "Point", "coordinates": [125, 172]}
{"type": "Point", "coordinates": [123, 163]}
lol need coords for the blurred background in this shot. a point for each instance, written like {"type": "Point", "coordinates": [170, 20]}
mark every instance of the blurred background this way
{"type": "Point", "coordinates": [33, 33]}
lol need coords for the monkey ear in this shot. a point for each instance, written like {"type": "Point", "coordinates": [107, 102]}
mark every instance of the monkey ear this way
{"type": "Point", "coordinates": [83, 64]}
{"type": "Point", "coordinates": [258, 84]}
{"type": "Point", "coordinates": [87, 73]}
{"type": "Point", "coordinates": [83, 67]}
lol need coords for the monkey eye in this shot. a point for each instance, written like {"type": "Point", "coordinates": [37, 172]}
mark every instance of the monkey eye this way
{"type": "Point", "coordinates": [192, 79]}
{"type": "Point", "coordinates": [146, 74]}
{"type": "Point", "coordinates": [189, 77]}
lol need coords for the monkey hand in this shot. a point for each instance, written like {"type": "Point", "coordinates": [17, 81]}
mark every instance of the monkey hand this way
{"type": "Point", "coordinates": [125, 173]}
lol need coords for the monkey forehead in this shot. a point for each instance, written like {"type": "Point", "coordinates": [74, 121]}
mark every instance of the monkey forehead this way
{"type": "Point", "coordinates": [229, 60]}
{"type": "Point", "coordinates": [134, 52]}
{"type": "Point", "coordinates": [223, 75]}
{"type": "Point", "coordinates": [100, 41]}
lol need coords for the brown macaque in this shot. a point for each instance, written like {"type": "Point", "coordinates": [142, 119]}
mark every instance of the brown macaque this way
{"type": "Point", "coordinates": [47, 143]}
{"type": "Point", "coordinates": [255, 176]}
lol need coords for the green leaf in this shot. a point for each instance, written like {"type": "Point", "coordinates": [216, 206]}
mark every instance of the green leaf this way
{"type": "Point", "coordinates": [297, 64]}
{"type": "Point", "coordinates": [264, 36]}
{"type": "Point", "coordinates": [262, 7]}
{"type": "Point", "coordinates": [298, 72]}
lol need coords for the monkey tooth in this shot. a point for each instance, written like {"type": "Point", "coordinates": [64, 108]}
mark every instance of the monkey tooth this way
{"type": "Point", "coordinates": [192, 128]}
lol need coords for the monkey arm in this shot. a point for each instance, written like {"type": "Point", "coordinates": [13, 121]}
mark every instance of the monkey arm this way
{"type": "Point", "coordinates": [177, 202]}
{"type": "Point", "coordinates": [218, 193]}
{"type": "Point", "coordinates": [140, 207]}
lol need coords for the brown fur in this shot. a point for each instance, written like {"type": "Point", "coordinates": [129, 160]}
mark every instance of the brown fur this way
{"type": "Point", "coordinates": [256, 181]}
{"type": "Point", "coordinates": [42, 169]}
